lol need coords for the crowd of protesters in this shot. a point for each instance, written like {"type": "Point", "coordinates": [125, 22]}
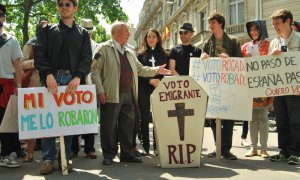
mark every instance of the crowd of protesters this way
{"type": "Point", "coordinates": [64, 53]}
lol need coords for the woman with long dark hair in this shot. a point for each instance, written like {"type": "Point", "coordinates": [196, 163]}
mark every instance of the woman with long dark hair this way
{"type": "Point", "coordinates": [151, 54]}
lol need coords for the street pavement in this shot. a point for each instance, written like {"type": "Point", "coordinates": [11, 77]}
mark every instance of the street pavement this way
{"type": "Point", "coordinates": [248, 168]}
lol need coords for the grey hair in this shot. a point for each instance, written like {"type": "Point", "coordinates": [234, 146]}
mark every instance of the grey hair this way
{"type": "Point", "coordinates": [116, 26]}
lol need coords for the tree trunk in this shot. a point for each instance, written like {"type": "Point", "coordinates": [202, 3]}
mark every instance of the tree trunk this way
{"type": "Point", "coordinates": [27, 9]}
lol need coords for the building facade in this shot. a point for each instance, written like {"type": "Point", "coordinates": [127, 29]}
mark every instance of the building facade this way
{"type": "Point", "coordinates": [173, 13]}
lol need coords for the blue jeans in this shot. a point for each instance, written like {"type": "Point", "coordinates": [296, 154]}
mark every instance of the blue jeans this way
{"type": "Point", "coordinates": [48, 144]}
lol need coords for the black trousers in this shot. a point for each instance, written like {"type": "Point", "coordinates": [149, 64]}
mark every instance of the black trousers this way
{"type": "Point", "coordinates": [226, 134]}
{"type": "Point", "coordinates": [287, 112]}
{"type": "Point", "coordinates": [117, 124]}
{"type": "Point", "coordinates": [9, 141]}
{"type": "Point", "coordinates": [145, 120]}
{"type": "Point", "coordinates": [245, 130]}
{"type": "Point", "coordinates": [89, 140]}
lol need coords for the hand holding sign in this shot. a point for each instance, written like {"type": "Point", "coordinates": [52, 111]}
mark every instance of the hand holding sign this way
{"type": "Point", "coordinates": [51, 84]}
{"type": "Point", "coordinates": [204, 56]}
{"type": "Point", "coordinates": [276, 52]}
{"type": "Point", "coordinates": [73, 85]}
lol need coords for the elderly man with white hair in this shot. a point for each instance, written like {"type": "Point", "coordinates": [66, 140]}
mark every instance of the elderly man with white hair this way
{"type": "Point", "coordinates": [115, 75]}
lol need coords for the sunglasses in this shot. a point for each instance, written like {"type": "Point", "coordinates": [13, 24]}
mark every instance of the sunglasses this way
{"type": "Point", "coordinates": [64, 4]}
{"type": "Point", "coordinates": [183, 32]}
{"type": "Point", "coordinates": [2, 15]}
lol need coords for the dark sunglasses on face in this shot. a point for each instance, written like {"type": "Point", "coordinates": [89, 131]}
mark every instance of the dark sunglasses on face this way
{"type": "Point", "coordinates": [183, 32]}
{"type": "Point", "coordinates": [2, 15]}
{"type": "Point", "coordinates": [64, 4]}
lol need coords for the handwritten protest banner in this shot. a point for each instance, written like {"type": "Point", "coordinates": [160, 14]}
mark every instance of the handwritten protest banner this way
{"type": "Point", "coordinates": [225, 82]}
{"type": "Point", "coordinates": [273, 75]}
{"type": "Point", "coordinates": [42, 114]}
{"type": "Point", "coordinates": [178, 109]}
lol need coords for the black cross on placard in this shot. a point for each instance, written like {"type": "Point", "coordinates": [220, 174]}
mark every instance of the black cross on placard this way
{"type": "Point", "coordinates": [180, 113]}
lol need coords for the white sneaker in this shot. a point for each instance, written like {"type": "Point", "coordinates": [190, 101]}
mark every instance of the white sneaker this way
{"type": "Point", "coordinates": [7, 161]}
{"type": "Point", "coordinates": [245, 143]}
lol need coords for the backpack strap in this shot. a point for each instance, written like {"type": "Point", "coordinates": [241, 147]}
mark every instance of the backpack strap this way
{"type": "Point", "coordinates": [4, 38]}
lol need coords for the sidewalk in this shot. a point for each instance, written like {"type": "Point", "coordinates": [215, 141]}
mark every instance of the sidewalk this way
{"type": "Point", "coordinates": [254, 168]}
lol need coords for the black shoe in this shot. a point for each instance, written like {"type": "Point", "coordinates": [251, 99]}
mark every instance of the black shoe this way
{"type": "Point", "coordinates": [107, 161]}
{"type": "Point", "coordinates": [212, 154]}
{"type": "Point", "coordinates": [278, 158]}
{"type": "Point", "coordinates": [137, 153]}
{"type": "Point", "coordinates": [20, 153]}
{"type": "Point", "coordinates": [145, 153]}
{"type": "Point", "coordinates": [228, 155]}
{"type": "Point", "coordinates": [73, 155]}
{"type": "Point", "coordinates": [69, 166]}
{"type": "Point", "coordinates": [131, 160]}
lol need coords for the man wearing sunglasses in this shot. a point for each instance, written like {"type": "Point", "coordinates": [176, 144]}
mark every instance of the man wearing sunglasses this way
{"type": "Point", "coordinates": [180, 55]}
{"type": "Point", "coordinates": [63, 57]}
{"type": "Point", "coordinates": [10, 80]}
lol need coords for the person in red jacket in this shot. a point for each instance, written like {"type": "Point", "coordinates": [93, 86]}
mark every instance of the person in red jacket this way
{"type": "Point", "coordinates": [258, 46]}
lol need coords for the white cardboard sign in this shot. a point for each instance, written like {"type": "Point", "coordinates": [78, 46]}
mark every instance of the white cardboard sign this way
{"type": "Point", "coordinates": [178, 110]}
{"type": "Point", "coordinates": [273, 75]}
{"type": "Point", "coordinates": [42, 114]}
{"type": "Point", "coordinates": [225, 82]}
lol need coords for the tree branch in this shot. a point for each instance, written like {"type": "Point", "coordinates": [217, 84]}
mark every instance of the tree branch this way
{"type": "Point", "coordinates": [36, 2]}
{"type": "Point", "coordinates": [39, 14]}
{"type": "Point", "coordinates": [14, 5]}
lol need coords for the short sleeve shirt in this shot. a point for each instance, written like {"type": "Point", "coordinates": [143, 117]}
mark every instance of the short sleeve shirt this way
{"type": "Point", "coordinates": [182, 54]}
{"type": "Point", "coordinates": [9, 52]}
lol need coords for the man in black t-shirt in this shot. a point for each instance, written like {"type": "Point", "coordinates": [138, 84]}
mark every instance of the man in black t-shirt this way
{"type": "Point", "coordinates": [180, 55]}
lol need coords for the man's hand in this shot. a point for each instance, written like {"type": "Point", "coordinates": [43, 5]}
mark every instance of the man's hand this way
{"type": "Point", "coordinates": [51, 84]}
{"type": "Point", "coordinates": [164, 71]}
{"type": "Point", "coordinates": [247, 54]}
{"type": "Point", "coordinates": [73, 85]}
{"type": "Point", "coordinates": [102, 98]}
{"type": "Point", "coordinates": [276, 52]}
{"type": "Point", "coordinates": [204, 56]}
{"type": "Point", "coordinates": [154, 82]}
{"type": "Point", "coordinates": [16, 89]}
{"type": "Point", "coordinates": [223, 55]}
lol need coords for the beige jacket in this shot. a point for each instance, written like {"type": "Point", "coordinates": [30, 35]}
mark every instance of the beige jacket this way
{"type": "Point", "coordinates": [293, 43]}
{"type": "Point", "coordinates": [27, 63]}
{"type": "Point", "coordinates": [106, 71]}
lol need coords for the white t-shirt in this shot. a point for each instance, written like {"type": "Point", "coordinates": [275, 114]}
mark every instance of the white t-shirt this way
{"type": "Point", "coordinates": [9, 52]}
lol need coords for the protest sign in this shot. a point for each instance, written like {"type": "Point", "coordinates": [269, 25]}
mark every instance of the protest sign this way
{"type": "Point", "coordinates": [178, 109]}
{"type": "Point", "coordinates": [273, 75]}
{"type": "Point", "coordinates": [225, 82]}
{"type": "Point", "coordinates": [43, 114]}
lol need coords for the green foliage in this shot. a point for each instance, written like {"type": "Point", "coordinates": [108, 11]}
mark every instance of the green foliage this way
{"type": "Point", "coordinates": [23, 15]}
{"type": "Point", "coordinates": [100, 35]}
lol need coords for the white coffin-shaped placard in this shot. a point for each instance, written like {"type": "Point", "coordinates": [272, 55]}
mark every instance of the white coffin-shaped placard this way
{"type": "Point", "coordinates": [178, 110]}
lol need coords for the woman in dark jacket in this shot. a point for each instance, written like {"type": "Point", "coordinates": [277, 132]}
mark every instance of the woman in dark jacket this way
{"type": "Point", "coordinates": [151, 54]}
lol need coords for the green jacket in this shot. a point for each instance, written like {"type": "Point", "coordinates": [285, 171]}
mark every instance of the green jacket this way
{"type": "Point", "coordinates": [105, 72]}
{"type": "Point", "coordinates": [230, 44]}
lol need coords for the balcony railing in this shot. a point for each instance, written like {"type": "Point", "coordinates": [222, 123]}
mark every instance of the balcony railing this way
{"type": "Point", "coordinates": [236, 28]}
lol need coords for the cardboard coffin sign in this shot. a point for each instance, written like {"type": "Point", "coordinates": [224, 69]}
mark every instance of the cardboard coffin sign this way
{"type": "Point", "coordinates": [178, 109]}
